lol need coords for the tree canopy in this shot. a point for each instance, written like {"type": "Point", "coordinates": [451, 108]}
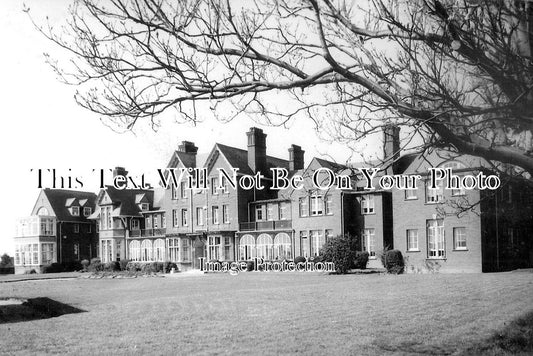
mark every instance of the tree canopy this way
{"type": "Point", "coordinates": [457, 74]}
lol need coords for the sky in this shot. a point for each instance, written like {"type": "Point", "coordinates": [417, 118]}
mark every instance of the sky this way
{"type": "Point", "coordinates": [43, 127]}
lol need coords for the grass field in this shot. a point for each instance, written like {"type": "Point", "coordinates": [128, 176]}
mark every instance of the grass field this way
{"type": "Point", "coordinates": [264, 313]}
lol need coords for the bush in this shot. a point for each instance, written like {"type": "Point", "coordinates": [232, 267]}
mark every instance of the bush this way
{"type": "Point", "coordinates": [71, 266]}
{"type": "Point", "coordinates": [300, 259]}
{"type": "Point", "coordinates": [95, 265]}
{"type": "Point", "coordinates": [53, 268]}
{"type": "Point", "coordinates": [123, 265]}
{"type": "Point", "coordinates": [382, 256]}
{"type": "Point", "coordinates": [167, 266]}
{"type": "Point", "coordinates": [146, 268]}
{"type": "Point", "coordinates": [339, 250]}
{"type": "Point", "coordinates": [157, 267]}
{"type": "Point", "coordinates": [394, 262]}
{"type": "Point", "coordinates": [361, 260]}
{"type": "Point", "coordinates": [85, 265]}
{"type": "Point", "coordinates": [133, 266]}
{"type": "Point", "coordinates": [250, 266]}
{"type": "Point", "coordinates": [112, 266]}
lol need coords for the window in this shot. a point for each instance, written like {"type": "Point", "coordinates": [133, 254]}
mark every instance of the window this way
{"type": "Point", "coordinates": [317, 241]}
{"type": "Point", "coordinates": [282, 247]}
{"type": "Point", "coordinates": [35, 254]}
{"type": "Point", "coordinates": [214, 186]}
{"type": "Point", "coordinates": [264, 246]}
{"type": "Point", "coordinates": [134, 224]}
{"type": "Point", "coordinates": [87, 211]}
{"type": "Point", "coordinates": [214, 247]}
{"type": "Point", "coordinates": [146, 250]}
{"type": "Point", "coordinates": [259, 212]}
{"type": "Point", "coordinates": [434, 195]}
{"type": "Point", "coordinates": [17, 255]}
{"type": "Point", "coordinates": [412, 240]}
{"type": "Point", "coordinates": [77, 251]}
{"type": "Point", "coordinates": [109, 218]}
{"type": "Point", "coordinates": [184, 217]}
{"type": "Point", "coordinates": [224, 185]}
{"type": "Point", "coordinates": [173, 249]}
{"type": "Point", "coordinates": [107, 250]}
{"type": "Point", "coordinates": [199, 216]}
{"type": "Point", "coordinates": [75, 211]}
{"type": "Point", "coordinates": [328, 204]}
{"type": "Point", "coordinates": [225, 214]}
{"type": "Point", "coordinates": [135, 250]}
{"type": "Point", "coordinates": [163, 221]}
{"type": "Point", "coordinates": [148, 222]}
{"type": "Point", "coordinates": [329, 234]}
{"type": "Point", "coordinates": [316, 205]}
{"type": "Point", "coordinates": [159, 250]}
{"type": "Point", "coordinates": [89, 229]}
{"type": "Point", "coordinates": [410, 194]}
{"type": "Point", "coordinates": [303, 207]}
{"type": "Point", "coordinates": [185, 250]}
{"type": "Point", "coordinates": [227, 248]}
{"type": "Point", "coordinates": [47, 253]}
{"type": "Point", "coordinates": [435, 233]}
{"type": "Point", "coordinates": [284, 211]}
{"type": "Point", "coordinates": [455, 165]}
{"type": "Point", "coordinates": [156, 222]}
{"type": "Point", "coordinates": [270, 212]}
{"type": "Point", "coordinates": [42, 211]}
{"type": "Point", "coordinates": [175, 217]}
{"type": "Point", "coordinates": [369, 242]}
{"type": "Point", "coordinates": [367, 204]}
{"type": "Point", "coordinates": [174, 191]}
{"type": "Point", "coordinates": [214, 215]}
{"type": "Point", "coordinates": [183, 191]}
{"type": "Point", "coordinates": [304, 243]}
{"type": "Point", "coordinates": [459, 238]}
{"type": "Point", "coordinates": [76, 228]}
{"type": "Point", "coordinates": [144, 206]}
{"type": "Point", "coordinates": [247, 247]}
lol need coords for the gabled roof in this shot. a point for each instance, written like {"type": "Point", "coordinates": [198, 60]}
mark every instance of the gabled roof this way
{"type": "Point", "coordinates": [238, 158]}
{"type": "Point", "coordinates": [58, 201]}
{"type": "Point", "coordinates": [331, 165]}
{"type": "Point", "coordinates": [126, 201]}
{"type": "Point", "coordinates": [419, 163]}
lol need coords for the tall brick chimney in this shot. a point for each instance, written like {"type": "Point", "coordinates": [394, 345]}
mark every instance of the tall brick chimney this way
{"type": "Point", "coordinates": [257, 150]}
{"type": "Point", "coordinates": [187, 147]}
{"type": "Point", "coordinates": [120, 171]}
{"type": "Point", "coordinates": [296, 158]}
{"type": "Point", "coordinates": [391, 146]}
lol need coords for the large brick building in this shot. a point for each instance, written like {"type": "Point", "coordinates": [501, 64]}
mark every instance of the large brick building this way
{"type": "Point", "coordinates": [436, 229]}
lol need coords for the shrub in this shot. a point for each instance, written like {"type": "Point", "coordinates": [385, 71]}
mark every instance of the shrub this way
{"type": "Point", "coordinates": [123, 265]}
{"type": "Point", "coordinates": [85, 265]}
{"type": "Point", "coordinates": [382, 256]}
{"type": "Point", "coordinates": [300, 259]}
{"type": "Point", "coordinates": [394, 262]}
{"type": "Point", "coordinates": [71, 266]}
{"type": "Point", "coordinates": [361, 260]}
{"type": "Point", "coordinates": [95, 265]}
{"type": "Point", "coordinates": [156, 267]}
{"type": "Point", "coordinates": [167, 266]}
{"type": "Point", "coordinates": [53, 268]}
{"type": "Point", "coordinates": [339, 250]}
{"type": "Point", "coordinates": [250, 266]}
{"type": "Point", "coordinates": [112, 266]}
{"type": "Point", "coordinates": [147, 268]}
{"type": "Point", "coordinates": [133, 266]}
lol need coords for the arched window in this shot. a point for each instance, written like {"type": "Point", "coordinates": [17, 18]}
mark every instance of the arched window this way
{"type": "Point", "coordinates": [247, 247]}
{"type": "Point", "coordinates": [42, 211]}
{"type": "Point", "coordinates": [282, 247]}
{"type": "Point", "coordinates": [135, 250]}
{"type": "Point", "coordinates": [454, 165]}
{"type": "Point", "coordinates": [264, 247]}
{"type": "Point", "coordinates": [159, 250]}
{"type": "Point", "coordinates": [146, 250]}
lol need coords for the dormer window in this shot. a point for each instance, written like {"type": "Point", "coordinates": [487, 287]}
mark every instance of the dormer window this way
{"type": "Point", "coordinates": [87, 211]}
{"type": "Point", "coordinates": [75, 211]}
{"type": "Point", "coordinates": [143, 206]}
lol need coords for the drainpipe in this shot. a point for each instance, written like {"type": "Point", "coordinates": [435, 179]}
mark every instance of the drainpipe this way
{"type": "Point", "coordinates": [497, 232]}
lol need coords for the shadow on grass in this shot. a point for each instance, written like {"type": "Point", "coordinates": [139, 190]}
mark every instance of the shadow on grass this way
{"type": "Point", "coordinates": [15, 310]}
{"type": "Point", "coordinates": [516, 338]}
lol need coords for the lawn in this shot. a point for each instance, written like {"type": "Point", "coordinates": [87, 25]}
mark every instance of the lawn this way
{"type": "Point", "coordinates": [267, 313]}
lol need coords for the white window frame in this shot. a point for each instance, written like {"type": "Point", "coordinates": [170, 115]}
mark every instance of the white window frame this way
{"type": "Point", "coordinates": [369, 241]}
{"type": "Point", "coordinates": [76, 228]}
{"type": "Point", "coordinates": [214, 215]}
{"type": "Point", "coordinates": [199, 216]}
{"type": "Point", "coordinates": [87, 211]}
{"type": "Point", "coordinates": [412, 240]}
{"type": "Point", "coordinates": [459, 235]}
{"type": "Point", "coordinates": [328, 204]}
{"type": "Point", "coordinates": [367, 204]}
{"type": "Point", "coordinates": [225, 214]}
{"type": "Point", "coordinates": [303, 207]}
{"type": "Point", "coordinates": [175, 218]}
{"type": "Point", "coordinates": [135, 225]}
{"type": "Point", "coordinates": [184, 218]}
{"type": "Point", "coordinates": [75, 211]}
{"type": "Point", "coordinates": [436, 239]}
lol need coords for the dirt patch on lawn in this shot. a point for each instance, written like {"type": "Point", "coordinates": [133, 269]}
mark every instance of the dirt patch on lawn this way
{"type": "Point", "coordinates": [13, 310]}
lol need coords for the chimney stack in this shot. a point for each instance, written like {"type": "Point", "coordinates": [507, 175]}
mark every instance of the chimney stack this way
{"type": "Point", "coordinates": [257, 150]}
{"type": "Point", "coordinates": [296, 158]}
{"type": "Point", "coordinates": [187, 147]}
{"type": "Point", "coordinates": [391, 144]}
{"type": "Point", "coordinates": [120, 171]}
